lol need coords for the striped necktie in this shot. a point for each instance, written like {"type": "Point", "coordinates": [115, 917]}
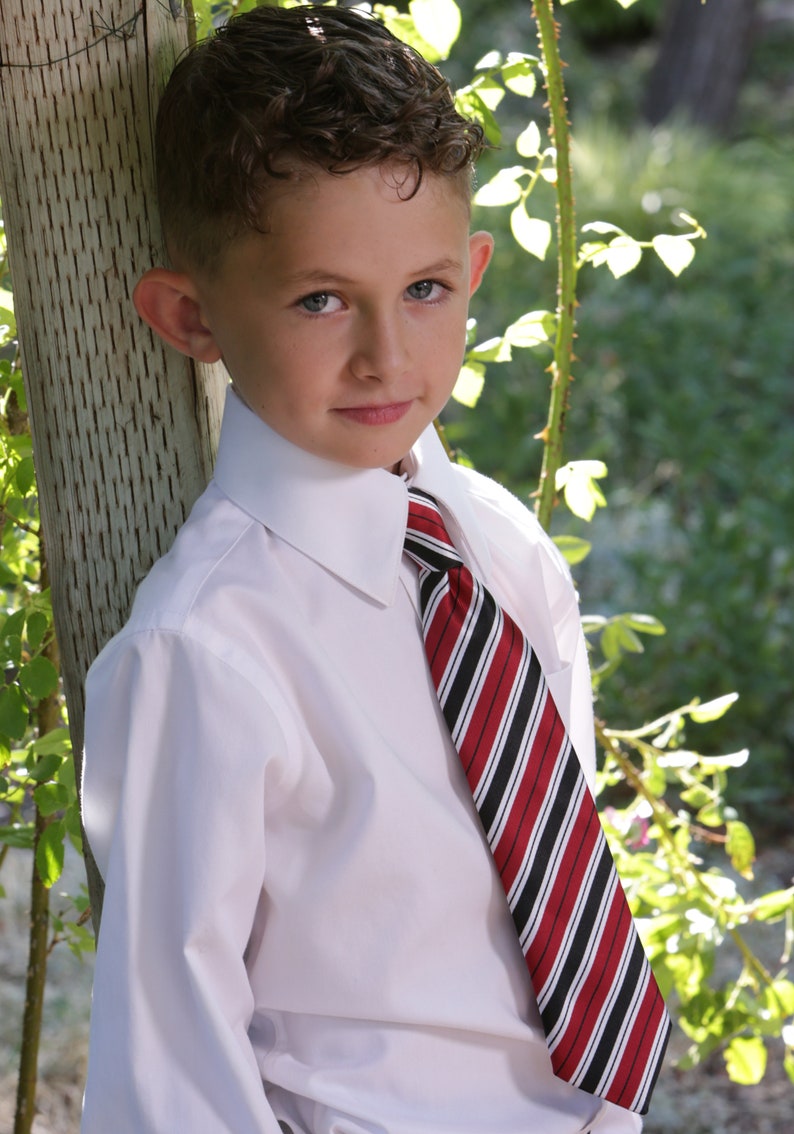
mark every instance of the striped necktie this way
{"type": "Point", "coordinates": [605, 1021]}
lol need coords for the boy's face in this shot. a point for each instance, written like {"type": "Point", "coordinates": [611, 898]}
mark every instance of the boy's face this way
{"type": "Point", "coordinates": [344, 326]}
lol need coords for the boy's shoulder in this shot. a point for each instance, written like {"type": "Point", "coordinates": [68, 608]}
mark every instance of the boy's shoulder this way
{"type": "Point", "coordinates": [507, 521]}
{"type": "Point", "coordinates": [204, 544]}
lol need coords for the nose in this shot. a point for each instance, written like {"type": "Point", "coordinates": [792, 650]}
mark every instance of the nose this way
{"type": "Point", "coordinates": [380, 347]}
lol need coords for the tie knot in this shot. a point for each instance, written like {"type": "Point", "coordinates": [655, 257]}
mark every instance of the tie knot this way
{"type": "Point", "coordinates": [426, 539]}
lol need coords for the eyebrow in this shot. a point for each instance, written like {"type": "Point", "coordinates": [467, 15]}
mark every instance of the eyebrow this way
{"type": "Point", "coordinates": [318, 276]}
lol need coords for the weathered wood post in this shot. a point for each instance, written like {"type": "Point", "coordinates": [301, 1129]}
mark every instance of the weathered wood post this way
{"type": "Point", "coordinates": [123, 429]}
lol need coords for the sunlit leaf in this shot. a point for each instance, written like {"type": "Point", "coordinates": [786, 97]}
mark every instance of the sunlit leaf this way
{"type": "Point", "coordinates": [532, 233]}
{"type": "Point", "coordinates": [622, 255]}
{"type": "Point", "coordinates": [532, 329]}
{"type": "Point", "coordinates": [470, 383]}
{"type": "Point", "coordinates": [528, 141]}
{"type": "Point", "coordinates": [603, 228]}
{"type": "Point", "coordinates": [644, 623]}
{"type": "Point", "coordinates": [492, 350]}
{"type": "Point", "coordinates": [713, 710]}
{"type": "Point", "coordinates": [519, 74]}
{"type": "Point", "coordinates": [725, 761]}
{"type": "Point", "coordinates": [745, 1060]}
{"type": "Point", "coordinates": [577, 481]}
{"type": "Point", "coordinates": [573, 548]}
{"type": "Point", "coordinates": [740, 846]}
{"type": "Point", "coordinates": [675, 252]}
{"type": "Point", "coordinates": [503, 188]}
{"type": "Point", "coordinates": [773, 906]}
{"type": "Point", "coordinates": [438, 23]}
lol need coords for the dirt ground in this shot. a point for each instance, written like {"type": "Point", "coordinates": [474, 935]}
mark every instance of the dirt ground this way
{"type": "Point", "coordinates": [701, 1101]}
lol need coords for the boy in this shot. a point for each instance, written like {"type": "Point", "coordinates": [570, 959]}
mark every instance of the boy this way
{"type": "Point", "coordinates": [304, 928]}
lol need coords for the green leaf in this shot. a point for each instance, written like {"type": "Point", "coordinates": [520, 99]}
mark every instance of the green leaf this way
{"type": "Point", "coordinates": [469, 103]}
{"type": "Point", "coordinates": [745, 1060]}
{"type": "Point", "coordinates": [573, 548]}
{"type": "Point", "coordinates": [470, 384]}
{"type": "Point", "coordinates": [24, 475]}
{"type": "Point", "coordinates": [618, 639]}
{"type": "Point", "coordinates": [57, 741]}
{"type": "Point", "coordinates": [50, 798]}
{"type": "Point", "coordinates": [11, 653]}
{"type": "Point", "coordinates": [438, 22]}
{"type": "Point", "coordinates": [39, 678]}
{"type": "Point", "coordinates": [488, 91]}
{"type": "Point", "coordinates": [773, 906]}
{"type": "Point", "coordinates": [18, 835]}
{"type": "Point", "coordinates": [13, 712]}
{"type": "Point", "coordinates": [788, 1063]}
{"type": "Point", "coordinates": [696, 796]}
{"type": "Point", "coordinates": [50, 853]}
{"type": "Point", "coordinates": [740, 846]}
{"type": "Point", "coordinates": [532, 233]}
{"type": "Point", "coordinates": [675, 252]}
{"type": "Point", "coordinates": [778, 999]}
{"type": "Point", "coordinates": [502, 189]}
{"type": "Point", "coordinates": [37, 625]}
{"type": "Point", "coordinates": [644, 623]}
{"type": "Point", "coordinates": [14, 625]}
{"type": "Point", "coordinates": [711, 815]}
{"type": "Point", "coordinates": [45, 768]}
{"type": "Point", "coordinates": [713, 710]}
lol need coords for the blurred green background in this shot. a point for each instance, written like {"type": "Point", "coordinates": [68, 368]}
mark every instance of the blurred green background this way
{"type": "Point", "coordinates": [684, 388]}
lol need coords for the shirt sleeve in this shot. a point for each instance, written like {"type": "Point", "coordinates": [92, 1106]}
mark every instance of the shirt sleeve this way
{"type": "Point", "coordinates": [179, 755]}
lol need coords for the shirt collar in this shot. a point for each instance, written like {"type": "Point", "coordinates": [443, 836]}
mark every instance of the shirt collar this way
{"type": "Point", "coordinates": [350, 521]}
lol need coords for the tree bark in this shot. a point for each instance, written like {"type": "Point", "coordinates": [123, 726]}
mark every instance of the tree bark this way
{"type": "Point", "coordinates": [702, 59]}
{"type": "Point", "coordinates": [123, 428]}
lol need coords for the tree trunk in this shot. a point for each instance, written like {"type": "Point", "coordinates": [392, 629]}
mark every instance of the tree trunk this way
{"type": "Point", "coordinates": [703, 55]}
{"type": "Point", "coordinates": [123, 428]}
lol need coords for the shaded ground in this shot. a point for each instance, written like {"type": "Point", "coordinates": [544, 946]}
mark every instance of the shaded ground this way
{"type": "Point", "coordinates": [702, 1101]}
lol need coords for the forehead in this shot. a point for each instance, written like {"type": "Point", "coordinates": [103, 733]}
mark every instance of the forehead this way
{"type": "Point", "coordinates": [371, 219]}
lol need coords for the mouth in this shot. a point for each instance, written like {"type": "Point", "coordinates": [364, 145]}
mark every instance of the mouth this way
{"type": "Point", "coordinates": [376, 414]}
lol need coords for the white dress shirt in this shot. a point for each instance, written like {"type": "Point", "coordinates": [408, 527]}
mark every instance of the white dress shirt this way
{"type": "Point", "coordinates": [303, 923]}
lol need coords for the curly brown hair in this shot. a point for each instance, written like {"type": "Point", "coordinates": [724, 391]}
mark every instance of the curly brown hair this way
{"type": "Point", "coordinates": [278, 90]}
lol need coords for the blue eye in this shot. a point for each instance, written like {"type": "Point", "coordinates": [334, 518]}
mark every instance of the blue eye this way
{"type": "Point", "coordinates": [422, 289]}
{"type": "Point", "coordinates": [315, 303]}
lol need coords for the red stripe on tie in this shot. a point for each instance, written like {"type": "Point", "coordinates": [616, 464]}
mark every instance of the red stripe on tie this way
{"type": "Point", "coordinates": [531, 792]}
{"type": "Point", "coordinates": [476, 745]}
{"type": "Point", "coordinates": [627, 1079]}
{"type": "Point", "coordinates": [571, 1046]}
{"type": "Point", "coordinates": [442, 636]}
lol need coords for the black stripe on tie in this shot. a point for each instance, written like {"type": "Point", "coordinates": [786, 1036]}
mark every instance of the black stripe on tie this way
{"type": "Point", "coordinates": [601, 1057]}
{"type": "Point", "coordinates": [554, 820]}
{"type": "Point", "coordinates": [512, 749]}
{"type": "Point", "coordinates": [588, 906]}
{"type": "Point", "coordinates": [458, 694]}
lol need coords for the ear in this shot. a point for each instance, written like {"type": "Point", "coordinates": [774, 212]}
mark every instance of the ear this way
{"type": "Point", "coordinates": [480, 251]}
{"type": "Point", "coordinates": [169, 303]}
